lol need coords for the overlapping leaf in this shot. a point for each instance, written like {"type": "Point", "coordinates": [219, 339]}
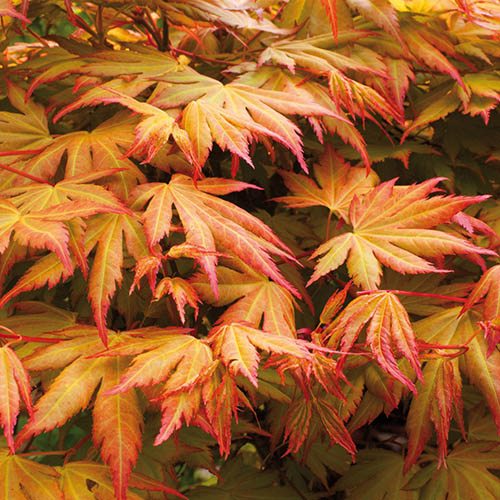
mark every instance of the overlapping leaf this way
{"type": "Point", "coordinates": [337, 184]}
{"type": "Point", "coordinates": [117, 418]}
{"type": "Point", "coordinates": [488, 288]}
{"type": "Point", "coordinates": [236, 114]}
{"type": "Point", "coordinates": [236, 344]}
{"type": "Point", "coordinates": [388, 328]}
{"type": "Point", "coordinates": [440, 394]}
{"type": "Point", "coordinates": [21, 477]}
{"type": "Point", "coordinates": [469, 473]}
{"type": "Point", "coordinates": [210, 224]}
{"type": "Point", "coordinates": [15, 387]}
{"type": "Point", "coordinates": [391, 225]}
{"type": "Point", "coordinates": [251, 298]}
{"type": "Point", "coordinates": [377, 474]}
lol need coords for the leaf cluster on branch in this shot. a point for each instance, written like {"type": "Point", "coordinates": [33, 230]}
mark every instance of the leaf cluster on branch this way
{"type": "Point", "coordinates": [249, 249]}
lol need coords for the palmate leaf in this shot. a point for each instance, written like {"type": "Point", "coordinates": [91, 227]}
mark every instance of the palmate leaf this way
{"type": "Point", "coordinates": [251, 298]}
{"type": "Point", "coordinates": [229, 12]}
{"type": "Point", "coordinates": [185, 366]}
{"type": "Point", "coordinates": [27, 141]}
{"type": "Point", "coordinates": [86, 480]}
{"type": "Point", "coordinates": [106, 233]}
{"type": "Point", "coordinates": [469, 473]}
{"type": "Point", "coordinates": [52, 225]}
{"type": "Point", "coordinates": [439, 399]}
{"type": "Point", "coordinates": [391, 225]}
{"type": "Point", "coordinates": [138, 63]}
{"type": "Point", "coordinates": [381, 12]}
{"type": "Point", "coordinates": [307, 419]}
{"type": "Point", "coordinates": [441, 391]}
{"type": "Point", "coordinates": [27, 130]}
{"type": "Point", "coordinates": [117, 417]}
{"type": "Point", "coordinates": [237, 114]}
{"type": "Point", "coordinates": [242, 482]}
{"type": "Point", "coordinates": [21, 478]}
{"type": "Point", "coordinates": [337, 184]}
{"type": "Point", "coordinates": [211, 224]}
{"type": "Point", "coordinates": [377, 475]}
{"type": "Point", "coordinates": [388, 328]}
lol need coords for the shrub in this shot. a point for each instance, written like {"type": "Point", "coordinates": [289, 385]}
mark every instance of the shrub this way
{"type": "Point", "coordinates": [244, 243]}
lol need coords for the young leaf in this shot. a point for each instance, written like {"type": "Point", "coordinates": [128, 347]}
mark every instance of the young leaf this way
{"type": "Point", "coordinates": [107, 233]}
{"type": "Point", "coordinates": [388, 328]}
{"type": "Point", "coordinates": [236, 345]}
{"type": "Point", "coordinates": [117, 418]}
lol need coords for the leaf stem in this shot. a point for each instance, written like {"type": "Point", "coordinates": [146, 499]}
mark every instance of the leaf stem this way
{"type": "Point", "coordinates": [328, 223]}
{"type": "Point", "coordinates": [24, 174]}
{"type": "Point", "coordinates": [41, 453]}
{"type": "Point", "coordinates": [416, 294]}
{"type": "Point", "coordinates": [26, 338]}
{"type": "Point", "coordinates": [204, 58]}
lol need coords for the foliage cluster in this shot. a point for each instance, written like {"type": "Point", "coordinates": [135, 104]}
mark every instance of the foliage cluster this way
{"type": "Point", "coordinates": [244, 243]}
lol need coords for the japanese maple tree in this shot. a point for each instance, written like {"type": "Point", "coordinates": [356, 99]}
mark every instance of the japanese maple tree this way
{"type": "Point", "coordinates": [249, 249]}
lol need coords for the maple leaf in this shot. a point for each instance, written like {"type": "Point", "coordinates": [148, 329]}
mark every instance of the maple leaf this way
{"type": "Point", "coordinates": [22, 477]}
{"type": "Point", "coordinates": [441, 392]}
{"type": "Point", "coordinates": [236, 343]}
{"type": "Point", "coordinates": [46, 228]}
{"type": "Point", "coordinates": [251, 298]}
{"type": "Point", "coordinates": [156, 357]}
{"type": "Point", "coordinates": [383, 394]}
{"type": "Point", "coordinates": [16, 387]}
{"type": "Point", "coordinates": [325, 53]}
{"type": "Point", "coordinates": [243, 482]}
{"type": "Point", "coordinates": [377, 474]}
{"type": "Point", "coordinates": [391, 226]}
{"type": "Point", "coordinates": [468, 473]}
{"type": "Point", "coordinates": [221, 398]}
{"type": "Point", "coordinates": [210, 222]}
{"type": "Point", "coordinates": [337, 184]}
{"type": "Point", "coordinates": [427, 44]}
{"type": "Point", "coordinates": [27, 130]}
{"type": "Point", "coordinates": [85, 480]}
{"type": "Point", "coordinates": [68, 199]}
{"type": "Point", "coordinates": [235, 114]}
{"type": "Point", "coordinates": [117, 418]}
{"type": "Point", "coordinates": [488, 287]}
{"type": "Point", "coordinates": [230, 12]}
{"type": "Point", "coordinates": [435, 105]}
{"type": "Point", "coordinates": [387, 323]}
